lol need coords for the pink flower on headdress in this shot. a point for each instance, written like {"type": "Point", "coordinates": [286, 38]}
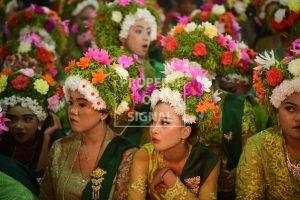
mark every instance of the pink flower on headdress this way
{"type": "Point", "coordinates": [136, 85]}
{"type": "Point", "coordinates": [125, 61]}
{"type": "Point", "coordinates": [53, 102]}
{"type": "Point", "coordinates": [194, 88]}
{"type": "Point", "coordinates": [93, 14]}
{"type": "Point", "coordinates": [3, 127]}
{"type": "Point", "coordinates": [296, 47]}
{"type": "Point", "coordinates": [74, 28]}
{"type": "Point", "coordinates": [124, 3]}
{"type": "Point", "coordinates": [183, 19]}
{"type": "Point", "coordinates": [231, 45]}
{"type": "Point", "coordinates": [197, 72]}
{"type": "Point", "coordinates": [101, 56]}
{"type": "Point", "coordinates": [206, 6]}
{"type": "Point", "coordinates": [222, 40]}
{"type": "Point", "coordinates": [140, 2]}
{"type": "Point", "coordinates": [65, 25]}
{"type": "Point", "coordinates": [27, 72]}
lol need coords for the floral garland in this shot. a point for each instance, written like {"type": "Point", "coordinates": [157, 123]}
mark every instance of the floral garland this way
{"type": "Point", "coordinates": [80, 6]}
{"type": "Point", "coordinates": [274, 80]}
{"type": "Point", "coordinates": [219, 54]}
{"type": "Point", "coordinates": [117, 17]}
{"type": "Point", "coordinates": [103, 80]}
{"type": "Point", "coordinates": [40, 94]}
{"type": "Point", "coordinates": [216, 14]}
{"type": "Point", "coordinates": [283, 15]}
{"type": "Point", "coordinates": [3, 120]}
{"type": "Point", "coordinates": [187, 89]}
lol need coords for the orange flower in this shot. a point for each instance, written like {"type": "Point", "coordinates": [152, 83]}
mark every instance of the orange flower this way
{"type": "Point", "coordinates": [83, 63]}
{"type": "Point", "coordinates": [6, 71]}
{"type": "Point", "coordinates": [70, 66]}
{"type": "Point", "coordinates": [49, 79]}
{"type": "Point", "coordinates": [258, 85]}
{"type": "Point", "coordinates": [98, 76]}
{"type": "Point", "coordinates": [179, 28]}
{"type": "Point", "coordinates": [205, 105]}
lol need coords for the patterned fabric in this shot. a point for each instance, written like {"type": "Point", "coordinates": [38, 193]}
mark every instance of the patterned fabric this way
{"type": "Point", "coordinates": [145, 163]}
{"type": "Point", "coordinates": [61, 182]}
{"type": "Point", "coordinates": [248, 119]}
{"type": "Point", "coordinates": [262, 172]}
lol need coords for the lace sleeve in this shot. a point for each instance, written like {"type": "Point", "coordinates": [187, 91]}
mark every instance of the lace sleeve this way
{"type": "Point", "coordinates": [250, 177]}
{"type": "Point", "coordinates": [138, 181]}
{"type": "Point", "coordinates": [122, 178]}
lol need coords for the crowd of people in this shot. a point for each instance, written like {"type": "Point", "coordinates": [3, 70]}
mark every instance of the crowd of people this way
{"type": "Point", "coordinates": [150, 99]}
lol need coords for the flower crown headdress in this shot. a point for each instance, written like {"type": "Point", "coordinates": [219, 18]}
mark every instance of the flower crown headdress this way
{"type": "Point", "coordinates": [40, 94]}
{"type": "Point", "coordinates": [187, 89]}
{"type": "Point", "coordinates": [274, 80]}
{"type": "Point", "coordinates": [279, 15]}
{"type": "Point", "coordinates": [224, 21]}
{"type": "Point", "coordinates": [40, 39]}
{"type": "Point", "coordinates": [117, 17]}
{"type": "Point", "coordinates": [103, 80]}
{"type": "Point", "coordinates": [220, 55]}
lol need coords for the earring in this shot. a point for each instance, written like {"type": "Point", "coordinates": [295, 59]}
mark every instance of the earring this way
{"type": "Point", "coordinates": [183, 141]}
{"type": "Point", "coordinates": [39, 128]}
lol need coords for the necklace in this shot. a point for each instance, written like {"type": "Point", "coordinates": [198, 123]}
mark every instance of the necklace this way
{"type": "Point", "coordinates": [294, 169]}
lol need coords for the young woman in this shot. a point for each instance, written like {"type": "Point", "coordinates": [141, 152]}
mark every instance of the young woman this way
{"type": "Point", "coordinates": [170, 167]}
{"type": "Point", "coordinates": [269, 164]}
{"type": "Point", "coordinates": [28, 99]}
{"type": "Point", "coordinates": [93, 162]}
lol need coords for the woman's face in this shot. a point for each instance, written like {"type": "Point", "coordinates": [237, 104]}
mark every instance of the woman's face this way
{"type": "Point", "coordinates": [289, 116]}
{"type": "Point", "coordinates": [82, 116]}
{"type": "Point", "coordinates": [138, 40]}
{"type": "Point", "coordinates": [23, 125]}
{"type": "Point", "coordinates": [167, 128]}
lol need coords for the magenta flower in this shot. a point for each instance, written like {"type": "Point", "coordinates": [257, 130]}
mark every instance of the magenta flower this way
{"type": "Point", "coordinates": [222, 40]}
{"type": "Point", "coordinates": [3, 127]}
{"type": "Point", "coordinates": [296, 47]}
{"type": "Point", "coordinates": [124, 3]}
{"type": "Point", "coordinates": [180, 65]}
{"type": "Point", "coordinates": [194, 88]}
{"type": "Point", "coordinates": [245, 56]}
{"type": "Point", "coordinates": [74, 28]}
{"type": "Point", "coordinates": [65, 25]}
{"type": "Point", "coordinates": [101, 56]}
{"type": "Point", "coordinates": [140, 2]}
{"type": "Point", "coordinates": [231, 45]}
{"type": "Point", "coordinates": [125, 61]}
{"type": "Point", "coordinates": [93, 14]}
{"type": "Point", "coordinates": [39, 10]}
{"type": "Point", "coordinates": [136, 85]}
{"type": "Point", "coordinates": [206, 6]}
{"type": "Point", "coordinates": [49, 24]}
{"type": "Point", "coordinates": [183, 19]}
{"type": "Point", "coordinates": [197, 72]}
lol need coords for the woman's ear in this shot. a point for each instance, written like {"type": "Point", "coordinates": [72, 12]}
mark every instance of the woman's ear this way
{"type": "Point", "coordinates": [186, 132]}
{"type": "Point", "coordinates": [103, 116]}
{"type": "Point", "coordinates": [123, 41]}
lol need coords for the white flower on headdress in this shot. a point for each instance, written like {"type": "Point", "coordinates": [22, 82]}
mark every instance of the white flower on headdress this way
{"type": "Point", "coordinates": [25, 102]}
{"type": "Point", "coordinates": [189, 119]}
{"type": "Point", "coordinates": [218, 9]}
{"type": "Point", "coordinates": [11, 6]}
{"type": "Point", "coordinates": [173, 77]}
{"type": "Point", "coordinates": [239, 7]}
{"type": "Point", "coordinates": [285, 89]}
{"type": "Point", "coordinates": [122, 73]}
{"type": "Point", "coordinates": [206, 83]}
{"type": "Point", "coordinates": [130, 20]}
{"type": "Point", "coordinates": [190, 27]}
{"type": "Point", "coordinates": [99, 104]}
{"type": "Point", "coordinates": [279, 15]}
{"type": "Point", "coordinates": [216, 96]}
{"type": "Point", "coordinates": [122, 108]}
{"type": "Point", "coordinates": [265, 59]}
{"type": "Point", "coordinates": [220, 27]}
{"type": "Point", "coordinates": [116, 16]}
{"type": "Point", "coordinates": [294, 67]}
{"type": "Point", "coordinates": [195, 12]}
{"type": "Point", "coordinates": [24, 47]}
{"type": "Point", "coordinates": [82, 5]}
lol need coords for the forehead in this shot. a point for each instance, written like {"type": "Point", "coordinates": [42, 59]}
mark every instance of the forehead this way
{"type": "Point", "coordinates": [19, 110]}
{"type": "Point", "coordinates": [293, 98]}
{"type": "Point", "coordinates": [164, 110]}
{"type": "Point", "coordinates": [76, 95]}
{"type": "Point", "coordinates": [141, 23]}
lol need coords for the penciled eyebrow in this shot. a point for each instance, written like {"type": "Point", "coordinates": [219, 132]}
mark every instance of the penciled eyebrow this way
{"type": "Point", "coordinates": [288, 102]}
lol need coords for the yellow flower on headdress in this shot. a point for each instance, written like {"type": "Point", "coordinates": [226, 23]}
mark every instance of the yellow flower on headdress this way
{"type": "Point", "coordinates": [41, 86]}
{"type": "Point", "coordinates": [210, 30]}
{"type": "Point", "coordinates": [3, 82]}
{"type": "Point", "coordinates": [294, 67]}
{"type": "Point", "coordinates": [294, 5]}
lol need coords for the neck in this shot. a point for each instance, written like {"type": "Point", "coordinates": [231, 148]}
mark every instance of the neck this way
{"type": "Point", "coordinates": [293, 145]}
{"type": "Point", "coordinates": [177, 153]}
{"type": "Point", "coordinates": [95, 135]}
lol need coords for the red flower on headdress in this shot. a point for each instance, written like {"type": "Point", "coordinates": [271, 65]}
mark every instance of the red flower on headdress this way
{"type": "Point", "coordinates": [226, 58]}
{"type": "Point", "coordinates": [200, 49]}
{"type": "Point", "coordinates": [43, 55]}
{"type": "Point", "coordinates": [28, 15]}
{"type": "Point", "coordinates": [20, 82]}
{"type": "Point", "coordinates": [169, 43]}
{"type": "Point", "coordinates": [204, 15]}
{"type": "Point", "coordinates": [60, 92]}
{"type": "Point", "coordinates": [274, 76]}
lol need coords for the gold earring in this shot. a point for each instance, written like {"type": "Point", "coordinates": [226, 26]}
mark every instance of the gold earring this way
{"type": "Point", "coordinates": [39, 128]}
{"type": "Point", "coordinates": [183, 141]}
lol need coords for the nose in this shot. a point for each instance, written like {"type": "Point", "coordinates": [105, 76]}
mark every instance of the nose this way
{"type": "Point", "coordinates": [154, 129]}
{"type": "Point", "coordinates": [297, 117]}
{"type": "Point", "coordinates": [73, 110]}
{"type": "Point", "coordinates": [19, 125]}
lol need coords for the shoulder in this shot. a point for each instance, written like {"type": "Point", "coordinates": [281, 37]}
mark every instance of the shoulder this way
{"type": "Point", "coordinates": [143, 154]}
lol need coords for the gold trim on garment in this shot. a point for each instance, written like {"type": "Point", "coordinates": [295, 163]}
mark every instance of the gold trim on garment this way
{"type": "Point", "coordinates": [97, 179]}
